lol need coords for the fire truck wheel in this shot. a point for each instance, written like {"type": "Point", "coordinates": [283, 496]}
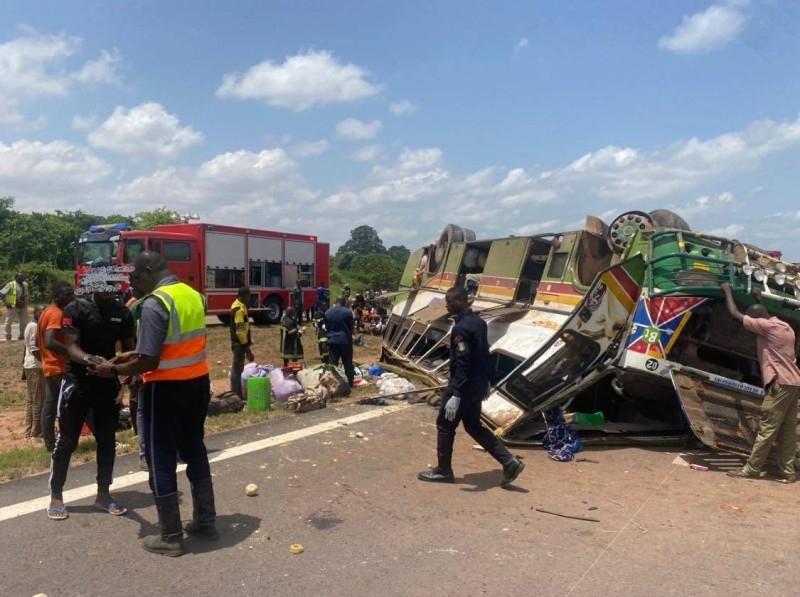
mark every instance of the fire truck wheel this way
{"type": "Point", "coordinates": [273, 309]}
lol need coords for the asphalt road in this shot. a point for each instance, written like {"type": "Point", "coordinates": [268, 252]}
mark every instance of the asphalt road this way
{"type": "Point", "coordinates": [370, 528]}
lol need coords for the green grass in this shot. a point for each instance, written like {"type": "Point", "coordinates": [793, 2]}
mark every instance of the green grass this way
{"type": "Point", "coordinates": [13, 399]}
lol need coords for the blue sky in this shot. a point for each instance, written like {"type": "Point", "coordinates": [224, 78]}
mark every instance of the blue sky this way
{"type": "Point", "coordinates": [506, 117]}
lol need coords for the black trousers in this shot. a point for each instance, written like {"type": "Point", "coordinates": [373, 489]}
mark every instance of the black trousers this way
{"type": "Point", "coordinates": [77, 397]}
{"type": "Point", "coordinates": [173, 418]}
{"type": "Point", "coordinates": [52, 386]}
{"type": "Point", "coordinates": [468, 413]}
{"type": "Point", "coordinates": [237, 366]}
{"type": "Point", "coordinates": [345, 353]}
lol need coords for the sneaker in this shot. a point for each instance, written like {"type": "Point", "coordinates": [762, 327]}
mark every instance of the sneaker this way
{"type": "Point", "coordinates": [742, 474]}
{"type": "Point", "coordinates": [786, 480]}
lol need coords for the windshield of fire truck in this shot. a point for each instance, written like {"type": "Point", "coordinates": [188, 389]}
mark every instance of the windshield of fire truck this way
{"type": "Point", "coordinates": [97, 253]}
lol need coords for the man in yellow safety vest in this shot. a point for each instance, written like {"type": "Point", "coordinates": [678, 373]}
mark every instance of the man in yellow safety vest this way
{"type": "Point", "coordinates": [171, 357]}
{"type": "Point", "coordinates": [16, 297]}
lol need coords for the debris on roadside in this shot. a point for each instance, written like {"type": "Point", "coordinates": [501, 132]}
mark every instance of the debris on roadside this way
{"type": "Point", "coordinates": [570, 516]}
{"type": "Point", "coordinates": [560, 440]}
{"type": "Point", "coordinates": [251, 490]}
{"type": "Point", "coordinates": [296, 548]}
{"type": "Point", "coordinates": [698, 467]}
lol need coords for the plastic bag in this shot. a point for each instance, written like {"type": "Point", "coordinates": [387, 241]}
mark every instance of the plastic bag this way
{"type": "Point", "coordinates": [283, 387]}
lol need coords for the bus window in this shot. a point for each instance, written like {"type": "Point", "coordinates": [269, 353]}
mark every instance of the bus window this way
{"type": "Point", "coordinates": [177, 251]}
{"type": "Point", "coordinates": [132, 250]}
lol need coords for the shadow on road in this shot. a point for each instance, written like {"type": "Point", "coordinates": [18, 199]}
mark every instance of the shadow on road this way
{"type": "Point", "coordinates": [233, 528]}
{"type": "Point", "coordinates": [485, 481]}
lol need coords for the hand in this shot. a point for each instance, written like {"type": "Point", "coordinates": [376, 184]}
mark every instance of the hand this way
{"type": "Point", "coordinates": [451, 408]}
{"type": "Point", "coordinates": [124, 357]}
{"type": "Point", "coordinates": [249, 354]}
{"type": "Point", "coordinates": [102, 369]}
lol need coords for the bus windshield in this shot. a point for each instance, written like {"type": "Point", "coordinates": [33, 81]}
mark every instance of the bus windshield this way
{"type": "Point", "coordinates": [96, 253]}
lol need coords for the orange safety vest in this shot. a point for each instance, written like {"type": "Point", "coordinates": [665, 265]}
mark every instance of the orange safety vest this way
{"type": "Point", "coordinates": [183, 354]}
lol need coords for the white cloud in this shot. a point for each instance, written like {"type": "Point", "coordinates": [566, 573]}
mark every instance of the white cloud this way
{"type": "Point", "coordinates": [707, 30]}
{"type": "Point", "coordinates": [246, 167]}
{"type": "Point", "coordinates": [31, 65]}
{"type": "Point", "coordinates": [310, 148]}
{"type": "Point", "coordinates": [84, 124]}
{"type": "Point", "coordinates": [419, 159]}
{"type": "Point", "coordinates": [368, 153]}
{"type": "Point", "coordinates": [46, 175]}
{"type": "Point", "coordinates": [353, 128]}
{"type": "Point", "coordinates": [706, 204]}
{"type": "Point", "coordinates": [403, 107]}
{"type": "Point", "coordinates": [302, 81]}
{"type": "Point", "coordinates": [104, 69]}
{"type": "Point", "coordinates": [521, 44]}
{"type": "Point", "coordinates": [729, 231]}
{"type": "Point", "coordinates": [9, 111]}
{"type": "Point", "coordinates": [537, 228]}
{"type": "Point", "coordinates": [146, 129]}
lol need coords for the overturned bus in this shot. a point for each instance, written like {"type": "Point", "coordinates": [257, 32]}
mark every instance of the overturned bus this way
{"type": "Point", "coordinates": [647, 341]}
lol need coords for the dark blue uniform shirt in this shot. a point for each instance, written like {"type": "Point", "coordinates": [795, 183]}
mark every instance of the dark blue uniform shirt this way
{"type": "Point", "coordinates": [339, 325]}
{"type": "Point", "coordinates": [469, 358]}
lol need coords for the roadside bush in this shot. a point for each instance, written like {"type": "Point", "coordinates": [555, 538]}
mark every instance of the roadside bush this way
{"type": "Point", "coordinates": [41, 277]}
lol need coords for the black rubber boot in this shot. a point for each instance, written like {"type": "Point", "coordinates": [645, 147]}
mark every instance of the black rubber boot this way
{"type": "Point", "coordinates": [170, 541]}
{"type": "Point", "coordinates": [436, 475]}
{"type": "Point", "coordinates": [511, 471]}
{"type": "Point", "coordinates": [203, 523]}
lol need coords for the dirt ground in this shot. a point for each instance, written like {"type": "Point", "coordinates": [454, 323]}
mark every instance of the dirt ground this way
{"type": "Point", "coordinates": [266, 348]}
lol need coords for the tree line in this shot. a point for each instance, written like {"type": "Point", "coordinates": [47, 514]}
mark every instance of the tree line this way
{"type": "Point", "coordinates": [42, 244]}
{"type": "Point", "coordinates": [364, 261]}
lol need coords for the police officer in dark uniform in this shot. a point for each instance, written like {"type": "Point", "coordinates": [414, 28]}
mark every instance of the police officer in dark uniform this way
{"type": "Point", "coordinates": [92, 328]}
{"type": "Point", "coordinates": [468, 387]}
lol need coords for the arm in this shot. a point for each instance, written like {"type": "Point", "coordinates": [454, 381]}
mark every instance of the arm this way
{"type": "Point", "coordinates": [51, 343]}
{"type": "Point", "coordinates": [147, 355]}
{"type": "Point", "coordinates": [729, 302]}
{"type": "Point", "coordinates": [239, 326]}
{"type": "Point", "coordinates": [33, 347]}
{"type": "Point", "coordinates": [460, 372]}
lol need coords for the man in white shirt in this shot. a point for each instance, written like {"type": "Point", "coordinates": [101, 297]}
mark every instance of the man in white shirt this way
{"type": "Point", "coordinates": [32, 374]}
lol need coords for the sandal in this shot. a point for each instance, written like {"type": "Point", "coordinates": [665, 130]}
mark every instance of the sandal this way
{"type": "Point", "coordinates": [112, 508]}
{"type": "Point", "coordinates": [57, 513]}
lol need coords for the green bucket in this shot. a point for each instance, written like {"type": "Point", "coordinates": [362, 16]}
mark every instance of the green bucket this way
{"type": "Point", "coordinates": [258, 394]}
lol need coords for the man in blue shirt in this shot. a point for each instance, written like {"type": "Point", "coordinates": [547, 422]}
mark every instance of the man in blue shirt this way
{"type": "Point", "coordinates": [339, 329]}
{"type": "Point", "coordinates": [323, 296]}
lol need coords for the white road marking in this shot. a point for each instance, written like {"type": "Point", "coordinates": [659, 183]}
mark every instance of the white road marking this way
{"type": "Point", "coordinates": [79, 493]}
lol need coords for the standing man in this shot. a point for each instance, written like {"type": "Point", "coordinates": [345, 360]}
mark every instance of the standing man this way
{"type": "Point", "coordinates": [241, 340]}
{"type": "Point", "coordinates": [92, 328]}
{"type": "Point", "coordinates": [15, 295]}
{"type": "Point", "coordinates": [54, 357]}
{"type": "Point", "coordinates": [32, 374]}
{"type": "Point", "coordinates": [775, 345]}
{"type": "Point", "coordinates": [323, 298]}
{"type": "Point", "coordinates": [171, 357]}
{"type": "Point", "coordinates": [291, 345]}
{"type": "Point", "coordinates": [339, 330]}
{"type": "Point", "coordinates": [298, 301]}
{"type": "Point", "coordinates": [467, 388]}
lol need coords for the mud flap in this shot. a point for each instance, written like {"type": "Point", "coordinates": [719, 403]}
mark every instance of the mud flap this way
{"type": "Point", "coordinates": [723, 413]}
{"type": "Point", "coordinates": [585, 344]}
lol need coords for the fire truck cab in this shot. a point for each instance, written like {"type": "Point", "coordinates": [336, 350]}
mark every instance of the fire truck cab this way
{"type": "Point", "coordinates": [215, 260]}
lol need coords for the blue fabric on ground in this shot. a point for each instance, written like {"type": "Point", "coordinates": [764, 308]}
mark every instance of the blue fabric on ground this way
{"type": "Point", "coordinates": [560, 440]}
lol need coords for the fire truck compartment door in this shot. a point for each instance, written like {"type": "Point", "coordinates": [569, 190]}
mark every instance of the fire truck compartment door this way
{"type": "Point", "coordinates": [299, 252]}
{"type": "Point", "coordinates": [265, 249]}
{"type": "Point", "coordinates": [723, 413]}
{"type": "Point", "coordinates": [224, 250]}
{"type": "Point", "coordinates": [587, 341]}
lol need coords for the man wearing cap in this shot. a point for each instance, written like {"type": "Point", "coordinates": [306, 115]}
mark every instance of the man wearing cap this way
{"type": "Point", "coordinates": [171, 357]}
{"type": "Point", "coordinates": [15, 296]}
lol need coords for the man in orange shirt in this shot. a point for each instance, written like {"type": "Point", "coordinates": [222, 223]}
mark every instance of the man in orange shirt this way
{"type": "Point", "coordinates": [54, 357]}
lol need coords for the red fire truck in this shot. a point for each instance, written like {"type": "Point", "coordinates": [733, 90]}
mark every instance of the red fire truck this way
{"type": "Point", "coordinates": [215, 260]}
